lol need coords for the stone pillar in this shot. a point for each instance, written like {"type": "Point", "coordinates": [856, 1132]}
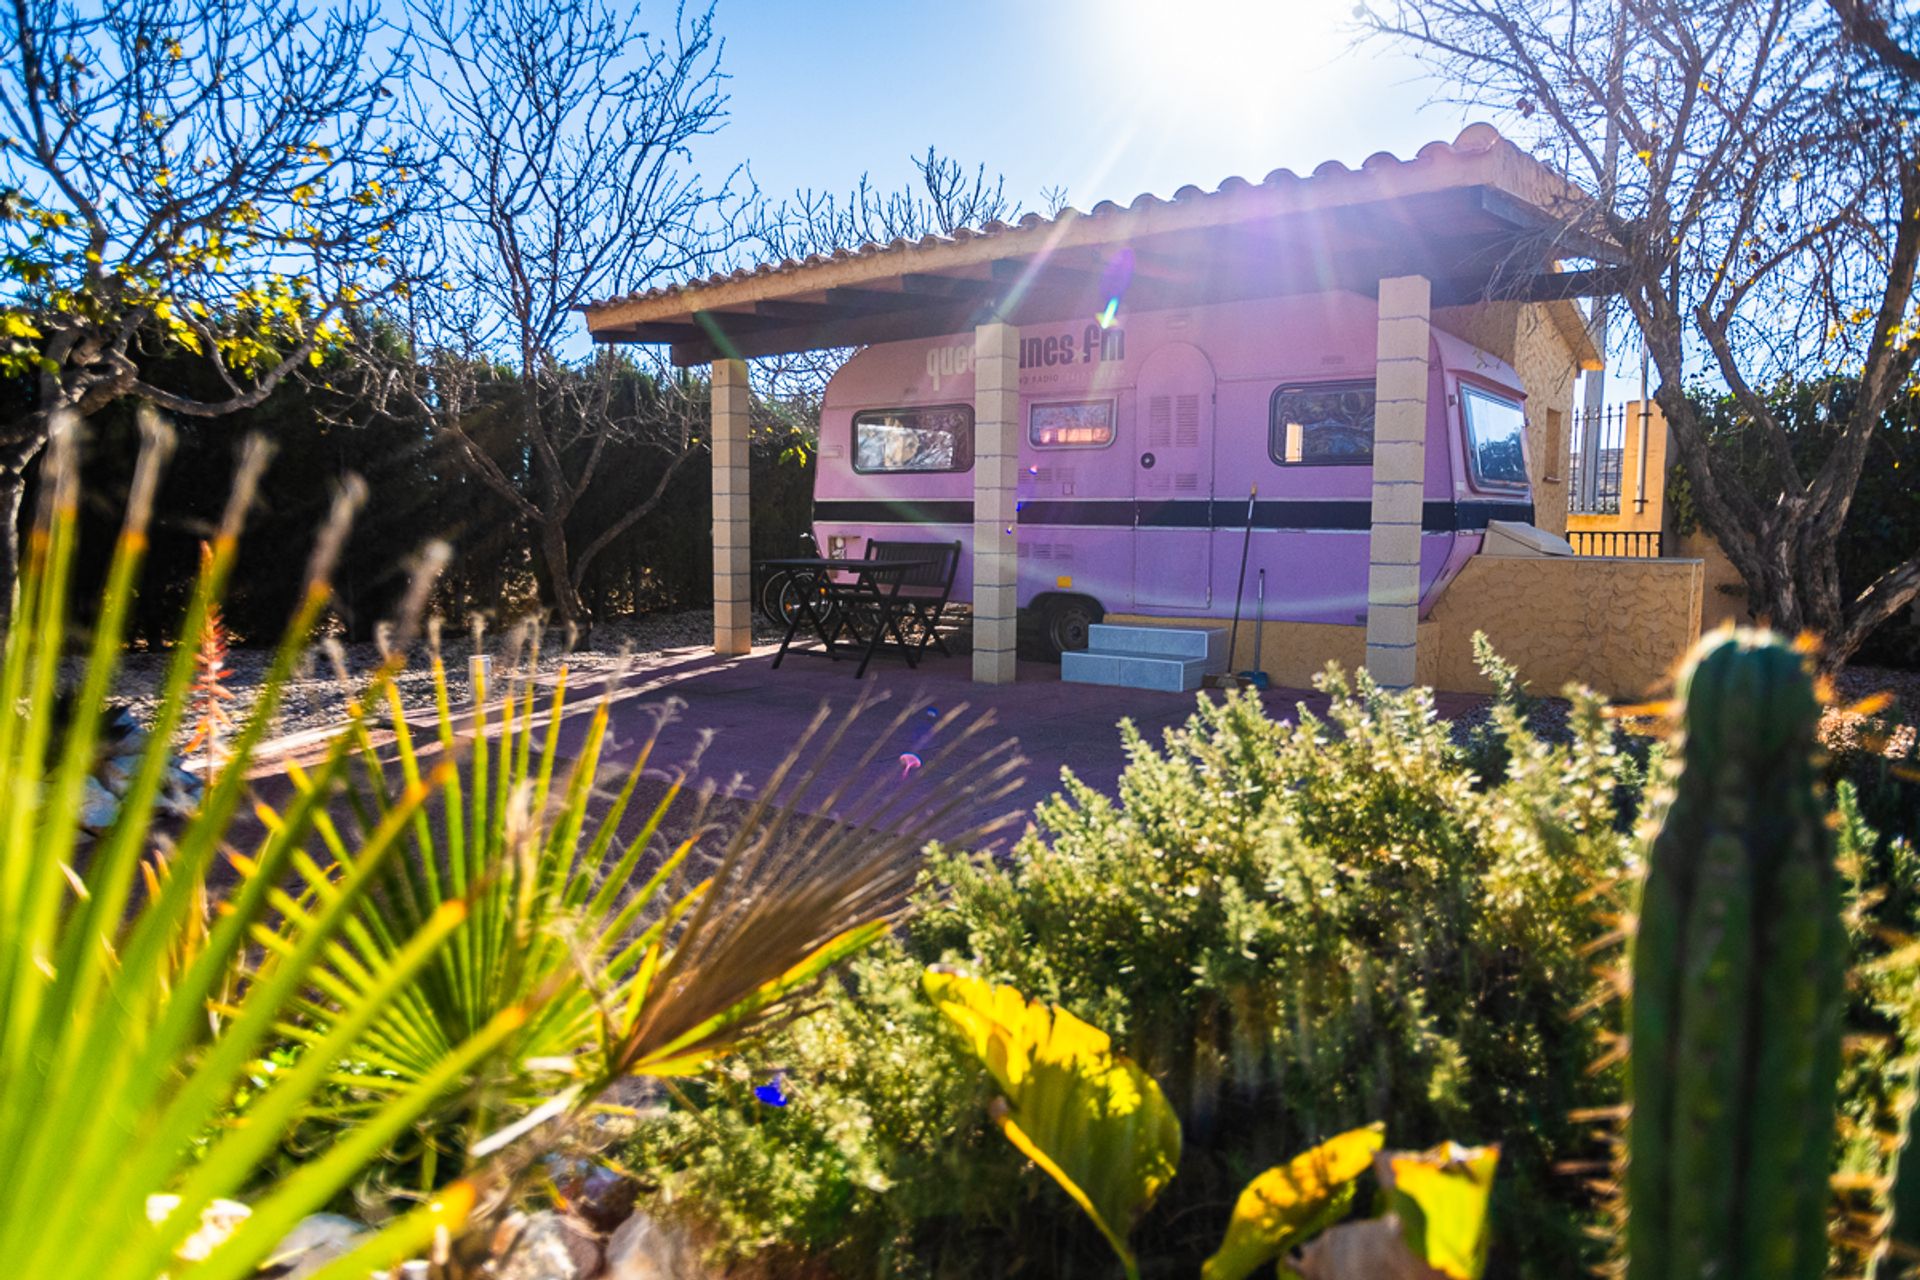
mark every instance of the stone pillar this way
{"type": "Point", "coordinates": [1401, 372]}
{"type": "Point", "coordinates": [732, 519]}
{"type": "Point", "coordinates": [996, 468]}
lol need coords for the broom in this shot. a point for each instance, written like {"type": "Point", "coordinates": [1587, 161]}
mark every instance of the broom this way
{"type": "Point", "coordinates": [1227, 680]}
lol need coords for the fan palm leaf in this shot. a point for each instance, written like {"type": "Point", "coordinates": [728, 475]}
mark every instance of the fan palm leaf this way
{"type": "Point", "coordinates": [635, 954]}
{"type": "Point", "coordinates": [114, 1079]}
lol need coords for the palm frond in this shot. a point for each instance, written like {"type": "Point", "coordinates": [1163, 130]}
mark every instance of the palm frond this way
{"type": "Point", "coordinates": [113, 1074]}
{"type": "Point", "coordinates": [633, 954]}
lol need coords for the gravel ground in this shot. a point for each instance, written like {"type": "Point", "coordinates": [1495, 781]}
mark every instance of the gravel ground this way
{"type": "Point", "coordinates": [317, 697]}
{"type": "Point", "coordinates": [1840, 727]}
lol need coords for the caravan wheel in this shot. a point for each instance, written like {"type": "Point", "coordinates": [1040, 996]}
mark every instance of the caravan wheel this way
{"type": "Point", "coordinates": [1064, 622]}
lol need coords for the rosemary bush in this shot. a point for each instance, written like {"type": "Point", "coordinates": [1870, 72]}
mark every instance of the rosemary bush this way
{"type": "Point", "coordinates": [1297, 928]}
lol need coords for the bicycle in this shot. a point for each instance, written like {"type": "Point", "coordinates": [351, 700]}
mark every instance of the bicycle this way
{"type": "Point", "coordinates": [781, 591]}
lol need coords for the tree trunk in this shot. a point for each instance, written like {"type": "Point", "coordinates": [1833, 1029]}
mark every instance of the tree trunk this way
{"type": "Point", "coordinates": [13, 490]}
{"type": "Point", "coordinates": [566, 596]}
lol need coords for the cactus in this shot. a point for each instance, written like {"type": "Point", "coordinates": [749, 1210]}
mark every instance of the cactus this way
{"type": "Point", "coordinates": [1738, 970]}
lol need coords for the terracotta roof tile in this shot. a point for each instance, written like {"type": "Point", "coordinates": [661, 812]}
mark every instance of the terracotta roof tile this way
{"type": "Point", "coordinates": [1475, 139]}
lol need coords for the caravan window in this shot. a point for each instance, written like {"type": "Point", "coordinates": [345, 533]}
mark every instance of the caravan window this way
{"type": "Point", "coordinates": [1322, 424]}
{"type": "Point", "coordinates": [1073, 424]}
{"type": "Point", "coordinates": [939, 438]}
{"type": "Point", "coordinates": [1496, 430]}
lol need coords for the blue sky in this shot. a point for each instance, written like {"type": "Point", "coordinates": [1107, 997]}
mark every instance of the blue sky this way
{"type": "Point", "coordinates": [1106, 97]}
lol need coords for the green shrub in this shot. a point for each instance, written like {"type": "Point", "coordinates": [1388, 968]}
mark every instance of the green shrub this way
{"type": "Point", "coordinates": [879, 1154]}
{"type": "Point", "coordinates": [1298, 928]}
{"type": "Point", "coordinates": [442, 948]}
{"type": "Point", "coordinates": [1882, 1023]}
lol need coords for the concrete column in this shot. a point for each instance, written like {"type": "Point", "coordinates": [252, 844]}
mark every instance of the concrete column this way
{"type": "Point", "coordinates": [1399, 479]}
{"type": "Point", "coordinates": [996, 467]}
{"type": "Point", "coordinates": [732, 518]}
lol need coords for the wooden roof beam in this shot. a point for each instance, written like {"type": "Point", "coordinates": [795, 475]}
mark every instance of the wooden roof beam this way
{"type": "Point", "coordinates": [1555, 234]}
{"type": "Point", "coordinates": [1536, 286]}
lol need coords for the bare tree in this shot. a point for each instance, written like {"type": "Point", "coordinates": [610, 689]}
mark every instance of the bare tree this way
{"type": "Point", "coordinates": [944, 198]}
{"type": "Point", "coordinates": [214, 177]}
{"type": "Point", "coordinates": [1765, 216]}
{"type": "Point", "coordinates": [565, 132]}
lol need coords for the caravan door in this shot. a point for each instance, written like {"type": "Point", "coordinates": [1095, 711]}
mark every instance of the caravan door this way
{"type": "Point", "coordinates": [1173, 479]}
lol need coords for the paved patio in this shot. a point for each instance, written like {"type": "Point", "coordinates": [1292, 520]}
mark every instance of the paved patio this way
{"type": "Point", "coordinates": [739, 718]}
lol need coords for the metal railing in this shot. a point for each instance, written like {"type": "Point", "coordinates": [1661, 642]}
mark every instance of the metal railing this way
{"type": "Point", "coordinates": [1601, 497]}
{"type": "Point", "coordinates": [1614, 542]}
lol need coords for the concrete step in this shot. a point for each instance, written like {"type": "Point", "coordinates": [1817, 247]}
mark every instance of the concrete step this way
{"type": "Point", "coordinates": [1209, 643]}
{"type": "Point", "coordinates": [1167, 673]}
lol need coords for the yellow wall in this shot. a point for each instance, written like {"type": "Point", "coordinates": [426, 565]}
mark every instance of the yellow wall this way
{"type": "Point", "coordinates": [1725, 598]}
{"type": "Point", "coordinates": [1620, 626]}
{"type": "Point", "coordinates": [1636, 516]}
{"type": "Point", "coordinates": [1527, 337]}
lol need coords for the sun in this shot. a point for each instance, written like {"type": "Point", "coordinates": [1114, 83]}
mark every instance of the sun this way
{"type": "Point", "coordinates": [1229, 66]}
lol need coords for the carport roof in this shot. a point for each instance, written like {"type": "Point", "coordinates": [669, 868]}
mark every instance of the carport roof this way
{"type": "Point", "coordinates": [1480, 218]}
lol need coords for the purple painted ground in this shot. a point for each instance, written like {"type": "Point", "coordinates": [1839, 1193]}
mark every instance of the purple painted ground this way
{"type": "Point", "coordinates": [739, 719]}
{"type": "Point", "coordinates": [731, 722]}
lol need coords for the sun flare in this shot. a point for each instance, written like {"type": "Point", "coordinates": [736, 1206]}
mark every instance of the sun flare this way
{"type": "Point", "coordinates": [1226, 65]}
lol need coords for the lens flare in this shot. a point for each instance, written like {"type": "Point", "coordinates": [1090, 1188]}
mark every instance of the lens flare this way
{"type": "Point", "coordinates": [1114, 279]}
{"type": "Point", "coordinates": [908, 763]}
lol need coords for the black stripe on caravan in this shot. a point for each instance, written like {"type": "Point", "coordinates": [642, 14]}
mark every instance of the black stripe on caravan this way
{"type": "Point", "coordinates": [1349, 515]}
{"type": "Point", "coordinates": [893, 511]}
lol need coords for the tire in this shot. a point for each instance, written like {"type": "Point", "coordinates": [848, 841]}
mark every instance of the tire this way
{"type": "Point", "coordinates": [781, 594]}
{"type": "Point", "coordinates": [772, 597]}
{"type": "Point", "coordinates": [1064, 623]}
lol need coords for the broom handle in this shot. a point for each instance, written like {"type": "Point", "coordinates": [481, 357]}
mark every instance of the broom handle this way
{"type": "Point", "coordinates": [1259, 618]}
{"type": "Point", "coordinates": [1246, 545]}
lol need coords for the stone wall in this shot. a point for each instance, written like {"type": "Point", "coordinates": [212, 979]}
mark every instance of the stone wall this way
{"type": "Point", "coordinates": [1619, 625]}
{"type": "Point", "coordinates": [1725, 599]}
{"type": "Point", "coordinates": [1533, 338]}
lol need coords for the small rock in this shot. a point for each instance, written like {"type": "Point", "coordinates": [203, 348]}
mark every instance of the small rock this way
{"type": "Point", "coordinates": [1369, 1250]}
{"type": "Point", "coordinates": [97, 805]}
{"type": "Point", "coordinates": [506, 1233]}
{"type": "Point", "coordinates": [318, 1239]}
{"type": "Point", "coordinates": [551, 1247]}
{"type": "Point", "coordinates": [645, 1248]}
{"type": "Point", "coordinates": [218, 1221]}
{"type": "Point", "coordinates": [594, 1192]}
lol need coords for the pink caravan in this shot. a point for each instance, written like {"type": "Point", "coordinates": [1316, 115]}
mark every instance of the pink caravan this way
{"type": "Point", "coordinates": [1141, 443]}
{"type": "Point", "coordinates": [1383, 357]}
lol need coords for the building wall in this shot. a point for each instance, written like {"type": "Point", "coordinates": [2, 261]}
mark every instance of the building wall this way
{"type": "Point", "coordinates": [1638, 513]}
{"type": "Point", "coordinates": [1620, 626]}
{"type": "Point", "coordinates": [1532, 339]}
{"type": "Point", "coordinates": [1725, 600]}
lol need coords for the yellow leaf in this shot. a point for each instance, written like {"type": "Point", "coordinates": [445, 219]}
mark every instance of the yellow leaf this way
{"type": "Point", "coordinates": [1092, 1120]}
{"type": "Point", "coordinates": [1440, 1197]}
{"type": "Point", "coordinates": [1291, 1202]}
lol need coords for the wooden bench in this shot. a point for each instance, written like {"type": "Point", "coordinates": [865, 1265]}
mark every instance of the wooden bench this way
{"type": "Point", "coordinates": [924, 591]}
